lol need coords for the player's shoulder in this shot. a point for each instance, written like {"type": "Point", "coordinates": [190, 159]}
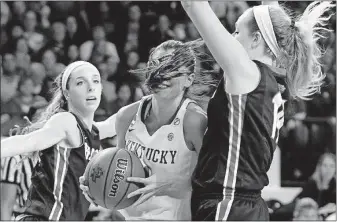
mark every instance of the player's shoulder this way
{"type": "Point", "coordinates": [194, 110]}
{"type": "Point", "coordinates": [194, 115]}
{"type": "Point", "coordinates": [128, 111]}
{"type": "Point", "coordinates": [63, 119]}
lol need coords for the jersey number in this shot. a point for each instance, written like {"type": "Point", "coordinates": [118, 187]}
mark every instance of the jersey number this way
{"type": "Point", "coordinates": [278, 118]}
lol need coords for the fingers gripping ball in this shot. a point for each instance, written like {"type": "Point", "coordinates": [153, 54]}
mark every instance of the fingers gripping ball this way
{"type": "Point", "coordinates": [106, 175]}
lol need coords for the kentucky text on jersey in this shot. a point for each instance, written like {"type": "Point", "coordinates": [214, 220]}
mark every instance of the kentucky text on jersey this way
{"type": "Point", "coordinates": [154, 155]}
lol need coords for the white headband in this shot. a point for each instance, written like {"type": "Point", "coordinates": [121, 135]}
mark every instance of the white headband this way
{"type": "Point", "coordinates": [70, 68]}
{"type": "Point", "coordinates": [262, 17]}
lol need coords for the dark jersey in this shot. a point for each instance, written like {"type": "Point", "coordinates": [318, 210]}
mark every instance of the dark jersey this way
{"type": "Point", "coordinates": [55, 191]}
{"type": "Point", "coordinates": [241, 137]}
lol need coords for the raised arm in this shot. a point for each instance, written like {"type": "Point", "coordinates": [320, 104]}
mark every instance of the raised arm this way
{"type": "Point", "coordinates": [54, 131]}
{"type": "Point", "coordinates": [241, 72]}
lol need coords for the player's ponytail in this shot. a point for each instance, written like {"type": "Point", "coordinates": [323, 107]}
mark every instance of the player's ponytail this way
{"type": "Point", "coordinates": [300, 50]}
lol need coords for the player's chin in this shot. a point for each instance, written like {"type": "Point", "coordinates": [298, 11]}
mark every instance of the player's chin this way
{"type": "Point", "coordinates": [91, 106]}
{"type": "Point", "coordinates": [162, 91]}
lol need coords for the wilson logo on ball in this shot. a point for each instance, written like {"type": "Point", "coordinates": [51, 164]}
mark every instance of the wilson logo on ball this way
{"type": "Point", "coordinates": [122, 164]}
{"type": "Point", "coordinates": [97, 172]}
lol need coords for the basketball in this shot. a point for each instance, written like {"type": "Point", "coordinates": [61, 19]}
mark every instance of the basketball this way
{"type": "Point", "coordinates": [106, 175]}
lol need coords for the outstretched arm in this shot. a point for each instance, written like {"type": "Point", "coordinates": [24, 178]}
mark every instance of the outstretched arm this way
{"type": "Point", "coordinates": [107, 128]}
{"type": "Point", "coordinates": [50, 134]}
{"type": "Point", "coordinates": [242, 74]}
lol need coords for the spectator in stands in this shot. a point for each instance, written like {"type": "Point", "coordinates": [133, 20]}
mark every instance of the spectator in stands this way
{"type": "Point", "coordinates": [73, 54]}
{"type": "Point", "coordinates": [124, 97]}
{"type": "Point", "coordinates": [113, 69]}
{"type": "Point", "coordinates": [18, 11]}
{"type": "Point", "coordinates": [49, 61]}
{"type": "Point", "coordinates": [44, 18]}
{"type": "Point", "coordinates": [132, 60]}
{"type": "Point", "coordinates": [38, 73]}
{"type": "Point", "coordinates": [34, 39]}
{"type": "Point", "coordinates": [132, 32]}
{"type": "Point", "coordinates": [9, 77]}
{"type": "Point", "coordinates": [306, 209]}
{"type": "Point", "coordinates": [161, 32]}
{"type": "Point", "coordinates": [109, 95]}
{"type": "Point", "coordinates": [5, 16]}
{"type": "Point", "coordinates": [57, 42]}
{"type": "Point", "coordinates": [22, 54]}
{"type": "Point", "coordinates": [179, 30]}
{"type": "Point", "coordinates": [191, 32]}
{"type": "Point", "coordinates": [87, 48]}
{"type": "Point", "coordinates": [14, 33]}
{"type": "Point", "coordinates": [234, 10]}
{"type": "Point", "coordinates": [60, 10]}
{"type": "Point", "coordinates": [127, 35]}
{"type": "Point", "coordinates": [321, 186]}
{"type": "Point", "coordinates": [74, 35]}
{"type": "Point", "coordinates": [17, 31]}
{"type": "Point", "coordinates": [25, 103]}
{"type": "Point", "coordinates": [139, 93]}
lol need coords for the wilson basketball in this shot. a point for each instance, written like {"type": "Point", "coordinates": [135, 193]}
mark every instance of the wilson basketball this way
{"type": "Point", "coordinates": [106, 175]}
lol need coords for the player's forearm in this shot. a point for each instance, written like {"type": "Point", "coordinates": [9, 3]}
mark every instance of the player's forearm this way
{"type": "Point", "coordinates": [15, 145]}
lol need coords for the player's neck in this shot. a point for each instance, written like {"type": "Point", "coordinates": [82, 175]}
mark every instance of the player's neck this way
{"type": "Point", "coordinates": [266, 60]}
{"type": "Point", "coordinates": [163, 110]}
{"type": "Point", "coordinates": [87, 118]}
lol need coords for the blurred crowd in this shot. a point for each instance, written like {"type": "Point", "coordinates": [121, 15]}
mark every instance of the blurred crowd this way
{"type": "Point", "coordinates": [38, 39]}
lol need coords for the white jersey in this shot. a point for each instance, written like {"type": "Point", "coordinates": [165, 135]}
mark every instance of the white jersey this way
{"type": "Point", "coordinates": [166, 151]}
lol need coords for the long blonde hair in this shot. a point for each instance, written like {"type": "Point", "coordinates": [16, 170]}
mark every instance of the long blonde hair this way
{"type": "Point", "coordinates": [298, 40]}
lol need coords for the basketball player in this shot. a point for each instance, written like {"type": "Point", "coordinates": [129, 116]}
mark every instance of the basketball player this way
{"type": "Point", "coordinates": [246, 111]}
{"type": "Point", "coordinates": [165, 129]}
{"type": "Point", "coordinates": [64, 140]}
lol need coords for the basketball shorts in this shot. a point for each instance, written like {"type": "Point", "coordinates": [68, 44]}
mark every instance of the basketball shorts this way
{"type": "Point", "coordinates": [244, 206]}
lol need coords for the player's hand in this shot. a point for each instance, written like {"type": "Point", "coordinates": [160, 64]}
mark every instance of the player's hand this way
{"type": "Point", "coordinates": [85, 190]}
{"type": "Point", "coordinates": [164, 183]}
{"type": "Point", "coordinates": [153, 186]}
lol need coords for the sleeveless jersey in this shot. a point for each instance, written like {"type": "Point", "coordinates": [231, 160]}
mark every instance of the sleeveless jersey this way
{"type": "Point", "coordinates": [166, 151]}
{"type": "Point", "coordinates": [55, 191]}
{"type": "Point", "coordinates": [241, 137]}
